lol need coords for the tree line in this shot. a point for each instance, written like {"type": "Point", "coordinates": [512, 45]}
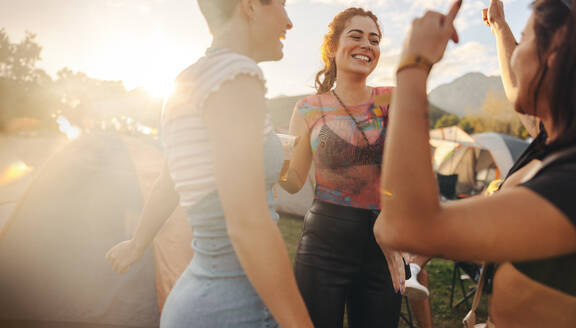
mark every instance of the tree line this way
{"type": "Point", "coordinates": [495, 115]}
{"type": "Point", "coordinates": [28, 95]}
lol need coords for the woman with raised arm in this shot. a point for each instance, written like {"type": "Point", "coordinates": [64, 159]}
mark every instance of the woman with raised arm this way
{"type": "Point", "coordinates": [224, 158]}
{"type": "Point", "coordinates": [529, 226]}
{"type": "Point", "coordinates": [493, 17]}
{"type": "Point", "coordinates": [341, 130]}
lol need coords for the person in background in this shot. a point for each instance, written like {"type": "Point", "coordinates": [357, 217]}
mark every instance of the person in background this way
{"type": "Point", "coordinates": [222, 160]}
{"type": "Point", "coordinates": [417, 290]}
{"type": "Point", "coordinates": [341, 131]}
{"type": "Point", "coordinates": [529, 226]}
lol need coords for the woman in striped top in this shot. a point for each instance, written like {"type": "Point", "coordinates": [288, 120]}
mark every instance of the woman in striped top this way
{"type": "Point", "coordinates": [222, 158]}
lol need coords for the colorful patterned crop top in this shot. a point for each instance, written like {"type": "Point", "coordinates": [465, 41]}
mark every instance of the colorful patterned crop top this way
{"type": "Point", "coordinates": [347, 169]}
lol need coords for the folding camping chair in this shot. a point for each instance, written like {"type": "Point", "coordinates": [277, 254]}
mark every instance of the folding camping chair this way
{"type": "Point", "coordinates": [407, 317]}
{"type": "Point", "coordinates": [462, 272]}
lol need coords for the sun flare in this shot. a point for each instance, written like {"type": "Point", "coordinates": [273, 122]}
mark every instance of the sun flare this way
{"type": "Point", "coordinates": [14, 172]}
{"type": "Point", "coordinates": [151, 64]}
{"type": "Point", "coordinates": [158, 89]}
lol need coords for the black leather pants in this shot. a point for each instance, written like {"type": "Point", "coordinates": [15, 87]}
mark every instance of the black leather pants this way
{"type": "Point", "coordinates": [339, 264]}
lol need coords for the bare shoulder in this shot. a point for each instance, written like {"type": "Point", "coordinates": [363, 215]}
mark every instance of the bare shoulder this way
{"type": "Point", "coordinates": [236, 98]}
{"type": "Point", "coordinates": [310, 100]}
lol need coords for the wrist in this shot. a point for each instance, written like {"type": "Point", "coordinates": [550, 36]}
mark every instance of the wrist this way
{"type": "Point", "coordinates": [498, 26]}
{"type": "Point", "coordinates": [137, 246]}
{"type": "Point", "coordinates": [411, 73]}
{"type": "Point", "coordinates": [412, 61]}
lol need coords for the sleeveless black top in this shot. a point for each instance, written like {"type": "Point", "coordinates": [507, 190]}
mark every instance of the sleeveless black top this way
{"type": "Point", "coordinates": [557, 184]}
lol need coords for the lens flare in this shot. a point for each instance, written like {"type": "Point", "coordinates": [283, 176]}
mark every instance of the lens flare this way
{"type": "Point", "coordinates": [71, 131]}
{"type": "Point", "coordinates": [15, 172]}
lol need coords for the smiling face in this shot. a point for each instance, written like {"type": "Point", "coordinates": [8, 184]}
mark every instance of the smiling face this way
{"type": "Point", "coordinates": [269, 26]}
{"type": "Point", "coordinates": [358, 47]}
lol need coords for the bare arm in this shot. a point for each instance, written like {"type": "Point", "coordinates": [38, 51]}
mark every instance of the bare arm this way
{"type": "Point", "coordinates": [295, 177]}
{"type": "Point", "coordinates": [234, 116]}
{"type": "Point", "coordinates": [507, 226]}
{"type": "Point", "coordinates": [505, 44]}
{"type": "Point", "coordinates": [161, 202]}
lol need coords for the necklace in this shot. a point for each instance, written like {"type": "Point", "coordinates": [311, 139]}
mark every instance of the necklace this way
{"type": "Point", "coordinates": [352, 117]}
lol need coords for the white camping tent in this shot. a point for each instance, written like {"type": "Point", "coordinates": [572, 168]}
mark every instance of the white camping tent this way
{"type": "Point", "coordinates": [476, 159]}
{"type": "Point", "coordinates": [505, 149]}
{"type": "Point", "coordinates": [298, 203]}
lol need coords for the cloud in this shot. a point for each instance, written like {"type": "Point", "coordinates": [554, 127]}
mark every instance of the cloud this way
{"type": "Point", "coordinates": [384, 72]}
{"type": "Point", "coordinates": [469, 57]}
{"type": "Point", "coordinates": [470, 15]}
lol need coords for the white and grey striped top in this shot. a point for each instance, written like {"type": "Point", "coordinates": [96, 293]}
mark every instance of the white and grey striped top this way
{"type": "Point", "coordinates": [184, 134]}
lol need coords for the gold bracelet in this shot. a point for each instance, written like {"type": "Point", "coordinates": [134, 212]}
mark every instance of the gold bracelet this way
{"type": "Point", "coordinates": [417, 61]}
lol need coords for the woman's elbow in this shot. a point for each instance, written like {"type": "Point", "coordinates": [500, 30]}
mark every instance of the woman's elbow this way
{"type": "Point", "coordinates": [399, 232]}
{"type": "Point", "coordinates": [386, 234]}
{"type": "Point", "coordinates": [291, 186]}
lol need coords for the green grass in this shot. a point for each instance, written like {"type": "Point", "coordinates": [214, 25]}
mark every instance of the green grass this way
{"type": "Point", "coordinates": [440, 275]}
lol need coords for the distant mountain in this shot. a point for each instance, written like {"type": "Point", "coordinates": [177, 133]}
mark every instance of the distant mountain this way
{"type": "Point", "coordinates": [466, 94]}
{"type": "Point", "coordinates": [281, 111]}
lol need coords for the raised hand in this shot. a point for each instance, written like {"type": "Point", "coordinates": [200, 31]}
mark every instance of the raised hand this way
{"type": "Point", "coordinates": [494, 14]}
{"type": "Point", "coordinates": [430, 34]}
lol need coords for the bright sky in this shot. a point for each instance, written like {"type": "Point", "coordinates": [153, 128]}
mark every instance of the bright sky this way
{"type": "Point", "coordinates": [148, 42]}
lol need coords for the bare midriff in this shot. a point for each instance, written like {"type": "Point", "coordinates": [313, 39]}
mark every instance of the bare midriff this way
{"type": "Point", "coordinates": [518, 301]}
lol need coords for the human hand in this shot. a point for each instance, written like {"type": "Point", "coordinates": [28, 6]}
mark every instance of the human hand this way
{"type": "Point", "coordinates": [494, 14]}
{"type": "Point", "coordinates": [397, 269]}
{"type": "Point", "coordinates": [123, 255]}
{"type": "Point", "coordinates": [430, 34]}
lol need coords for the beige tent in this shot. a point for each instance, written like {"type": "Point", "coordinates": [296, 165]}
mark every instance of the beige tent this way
{"type": "Point", "coordinates": [476, 159]}
{"type": "Point", "coordinates": [81, 201]}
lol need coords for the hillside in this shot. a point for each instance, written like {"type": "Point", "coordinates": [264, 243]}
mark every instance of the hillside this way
{"type": "Point", "coordinates": [467, 93]}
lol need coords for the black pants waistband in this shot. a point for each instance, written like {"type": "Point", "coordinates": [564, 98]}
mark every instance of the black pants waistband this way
{"type": "Point", "coordinates": [343, 212]}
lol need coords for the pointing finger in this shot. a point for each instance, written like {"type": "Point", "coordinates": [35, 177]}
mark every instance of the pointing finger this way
{"type": "Point", "coordinates": [453, 11]}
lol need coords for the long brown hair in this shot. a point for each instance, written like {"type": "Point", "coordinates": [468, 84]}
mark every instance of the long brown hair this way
{"type": "Point", "coordinates": [549, 17]}
{"type": "Point", "coordinates": [326, 77]}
